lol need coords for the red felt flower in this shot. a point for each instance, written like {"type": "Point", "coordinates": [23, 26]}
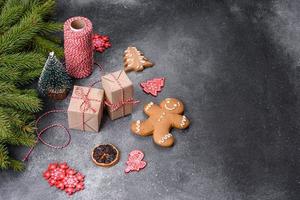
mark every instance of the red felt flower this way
{"type": "Point", "coordinates": [101, 42]}
{"type": "Point", "coordinates": [153, 86]}
{"type": "Point", "coordinates": [64, 178]}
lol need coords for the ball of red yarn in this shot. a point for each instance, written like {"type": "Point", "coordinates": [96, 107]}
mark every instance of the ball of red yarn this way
{"type": "Point", "coordinates": [78, 47]}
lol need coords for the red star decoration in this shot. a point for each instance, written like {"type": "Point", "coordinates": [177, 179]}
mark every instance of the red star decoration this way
{"type": "Point", "coordinates": [101, 42]}
{"type": "Point", "coordinates": [153, 86]}
{"type": "Point", "coordinates": [135, 161]}
{"type": "Point", "coordinates": [64, 178]}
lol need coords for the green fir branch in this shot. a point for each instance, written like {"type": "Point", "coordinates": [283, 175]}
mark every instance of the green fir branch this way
{"type": "Point", "coordinates": [18, 77]}
{"type": "Point", "coordinates": [22, 102]}
{"type": "Point", "coordinates": [44, 9]}
{"type": "Point", "coordinates": [2, 2]}
{"type": "Point", "coordinates": [7, 87]}
{"type": "Point", "coordinates": [20, 139]}
{"type": "Point", "coordinates": [4, 124]}
{"type": "Point", "coordinates": [45, 46]}
{"type": "Point", "coordinates": [4, 158]}
{"type": "Point", "coordinates": [22, 61]}
{"type": "Point", "coordinates": [16, 165]}
{"type": "Point", "coordinates": [9, 75]}
{"type": "Point", "coordinates": [28, 77]}
{"type": "Point", "coordinates": [10, 16]}
{"type": "Point", "coordinates": [51, 27]}
{"type": "Point", "coordinates": [20, 35]}
{"type": "Point", "coordinates": [21, 122]}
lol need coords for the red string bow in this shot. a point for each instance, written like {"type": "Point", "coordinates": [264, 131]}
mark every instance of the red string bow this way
{"type": "Point", "coordinates": [116, 106]}
{"type": "Point", "coordinates": [86, 102]}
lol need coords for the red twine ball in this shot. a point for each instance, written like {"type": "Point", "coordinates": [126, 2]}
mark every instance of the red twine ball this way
{"type": "Point", "coordinates": [78, 50]}
{"type": "Point", "coordinates": [101, 42]}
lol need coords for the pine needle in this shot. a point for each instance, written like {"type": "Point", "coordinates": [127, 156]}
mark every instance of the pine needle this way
{"type": "Point", "coordinates": [1, 3]}
{"type": "Point", "coordinates": [44, 45]}
{"type": "Point", "coordinates": [4, 124]}
{"type": "Point", "coordinates": [21, 121]}
{"type": "Point", "coordinates": [45, 9]}
{"type": "Point", "coordinates": [20, 35]}
{"type": "Point", "coordinates": [51, 27]}
{"type": "Point", "coordinates": [9, 75]}
{"type": "Point", "coordinates": [22, 102]}
{"type": "Point", "coordinates": [28, 77]}
{"type": "Point", "coordinates": [9, 16]}
{"type": "Point", "coordinates": [22, 61]}
{"type": "Point", "coordinates": [16, 165]}
{"type": "Point", "coordinates": [22, 139]}
{"type": "Point", "coordinates": [4, 159]}
{"type": "Point", "coordinates": [7, 87]}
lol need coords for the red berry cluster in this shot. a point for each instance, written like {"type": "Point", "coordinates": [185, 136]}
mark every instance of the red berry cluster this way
{"type": "Point", "coordinates": [101, 42]}
{"type": "Point", "coordinates": [63, 177]}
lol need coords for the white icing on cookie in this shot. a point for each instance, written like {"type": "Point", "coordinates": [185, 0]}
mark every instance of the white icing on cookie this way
{"type": "Point", "coordinates": [171, 107]}
{"type": "Point", "coordinates": [165, 138]}
{"type": "Point", "coordinates": [161, 116]}
{"type": "Point", "coordinates": [149, 105]}
{"type": "Point", "coordinates": [138, 126]}
{"type": "Point", "coordinates": [183, 121]}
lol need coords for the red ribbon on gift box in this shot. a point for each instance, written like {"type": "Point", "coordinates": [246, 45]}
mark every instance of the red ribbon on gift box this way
{"type": "Point", "coordinates": [123, 102]}
{"type": "Point", "coordinates": [86, 103]}
{"type": "Point", "coordinates": [116, 106]}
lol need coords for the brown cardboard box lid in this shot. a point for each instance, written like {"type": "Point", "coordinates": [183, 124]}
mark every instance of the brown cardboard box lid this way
{"type": "Point", "coordinates": [113, 84]}
{"type": "Point", "coordinates": [95, 98]}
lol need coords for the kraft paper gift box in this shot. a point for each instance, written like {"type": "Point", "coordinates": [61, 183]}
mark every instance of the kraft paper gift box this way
{"type": "Point", "coordinates": [118, 94]}
{"type": "Point", "coordinates": [86, 108]}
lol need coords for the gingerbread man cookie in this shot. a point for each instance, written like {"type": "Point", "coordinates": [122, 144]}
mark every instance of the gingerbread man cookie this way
{"type": "Point", "coordinates": [134, 60]}
{"type": "Point", "coordinates": [161, 120]}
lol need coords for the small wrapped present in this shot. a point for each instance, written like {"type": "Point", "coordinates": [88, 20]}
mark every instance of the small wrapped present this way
{"type": "Point", "coordinates": [118, 94]}
{"type": "Point", "coordinates": [86, 108]}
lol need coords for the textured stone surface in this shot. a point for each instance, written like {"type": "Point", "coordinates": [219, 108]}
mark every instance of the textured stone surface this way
{"type": "Point", "coordinates": [232, 63]}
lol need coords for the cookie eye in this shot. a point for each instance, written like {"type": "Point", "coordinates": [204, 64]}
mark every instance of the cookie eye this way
{"type": "Point", "coordinates": [168, 101]}
{"type": "Point", "coordinates": [175, 104]}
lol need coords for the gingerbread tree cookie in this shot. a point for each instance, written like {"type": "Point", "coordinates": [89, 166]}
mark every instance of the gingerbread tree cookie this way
{"type": "Point", "coordinates": [161, 120]}
{"type": "Point", "coordinates": [134, 60]}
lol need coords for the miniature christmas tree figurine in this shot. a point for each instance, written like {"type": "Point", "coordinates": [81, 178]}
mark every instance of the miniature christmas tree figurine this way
{"type": "Point", "coordinates": [54, 80]}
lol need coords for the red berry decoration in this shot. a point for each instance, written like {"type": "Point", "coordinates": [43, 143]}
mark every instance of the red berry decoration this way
{"type": "Point", "coordinates": [135, 161]}
{"type": "Point", "coordinates": [64, 178]}
{"type": "Point", "coordinates": [101, 42]}
{"type": "Point", "coordinates": [153, 86]}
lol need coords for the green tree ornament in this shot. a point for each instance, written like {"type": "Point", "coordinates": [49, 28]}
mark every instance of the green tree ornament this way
{"type": "Point", "coordinates": [54, 81]}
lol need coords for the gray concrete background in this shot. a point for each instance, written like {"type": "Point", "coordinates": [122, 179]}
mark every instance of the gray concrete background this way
{"type": "Point", "coordinates": [233, 63]}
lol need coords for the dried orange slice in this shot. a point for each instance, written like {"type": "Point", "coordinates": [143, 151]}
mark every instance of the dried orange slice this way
{"type": "Point", "coordinates": [105, 155]}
